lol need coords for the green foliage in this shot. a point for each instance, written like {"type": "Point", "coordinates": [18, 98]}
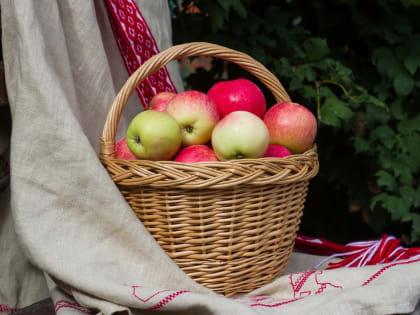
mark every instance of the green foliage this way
{"type": "Point", "coordinates": [356, 65]}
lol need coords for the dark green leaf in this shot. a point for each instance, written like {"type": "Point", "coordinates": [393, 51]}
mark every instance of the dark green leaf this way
{"type": "Point", "coordinates": [410, 2]}
{"type": "Point", "coordinates": [217, 18]}
{"type": "Point", "coordinates": [376, 101]}
{"type": "Point", "coordinates": [283, 67]}
{"type": "Point", "coordinates": [334, 110]}
{"type": "Point", "coordinates": [382, 91]}
{"type": "Point", "coordinates": [385, 134]}
{"type": "Point", "coordinates": [397, 207]}
{"type": "Point", "coordinates": [266, 41]}
{"type": "Point", "coordinates": [417, 198]}
{"type": "Point", "coordinates": [226, 4]}
{"type": "Point", "coordinates": [316, 48]}
{"type": "Point", "coordinates": [379, 198]}
{"type": "Point", "coordinates": [275, 18]}
{"type": "Point", "coordinates": [413, 146]}
{"type": "Point", "coordinates": [403, 84]}
{"type": "Point", "coordinates": [258, 53]}
{"type": "Point", "coordinates": [305, 72]}
{"type": "Point", "coordinates": [409, 126]}
{"type": "Point", "coordinates": [361, 145]}
{"type": "Point", "coordinates": [238, 6]}
{"type": "Point", "coordinates": [408, 193]}
{"type": "Point", "coordinates": [415, 226]}
{"type": "Point", "coordinates": [376, 114]}
{"type": "Point", "coordinates": [386, 62]}
{"type": "Point", "coordinates": [411, 63]}
{"type": "Point", "coordinates": [386, 180]}
{"type": "Point", "coordinates": [397, 109]}
{"type": "Point", "coordinates": [295, 84]}
{"type": "Point", "coordinates": [309, 92]}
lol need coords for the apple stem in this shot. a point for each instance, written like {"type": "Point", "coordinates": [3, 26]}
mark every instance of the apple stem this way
{"type": "Point", "coordinates": [239, 156]}
{"type": "Point", "coordinates": [137, 139]}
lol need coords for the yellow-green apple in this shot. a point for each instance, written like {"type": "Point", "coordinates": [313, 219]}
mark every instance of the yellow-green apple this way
{"type": "Point", "coordinates": [276, 150]}
{"type": "Point", "coordinates": [240, 135]}
{"type": "Point", "coordinates": [160, 101]}
{"type": "Point", "coordinates": [153, 135]}
{"type": "Point", "coordinates": [238, 95]}
{"type": "Point", "coordinates": [195, 153]}
{"type": "Point", "coordinates": [122, 151]}
{"type": "Point", "coordinates": [292, 126]}
{"type": "Point", "coordinates": [196, 114]}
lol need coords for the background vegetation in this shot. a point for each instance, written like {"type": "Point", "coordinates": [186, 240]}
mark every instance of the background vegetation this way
{"type": "Point", "coordinates": [356, 65]}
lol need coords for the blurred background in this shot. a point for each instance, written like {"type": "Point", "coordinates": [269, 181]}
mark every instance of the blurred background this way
{"type": "Point", "coordinates": [356, 66]}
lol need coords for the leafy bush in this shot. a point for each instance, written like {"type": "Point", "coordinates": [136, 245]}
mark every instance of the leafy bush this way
{"type": "Point", "coordinates": [356, 65]}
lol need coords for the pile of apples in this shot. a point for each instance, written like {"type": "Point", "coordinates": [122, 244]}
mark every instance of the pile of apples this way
{"type": "Point", "coordinates": [229, 122]}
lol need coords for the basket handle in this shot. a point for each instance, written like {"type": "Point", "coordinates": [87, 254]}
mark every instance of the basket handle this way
{"type": "Point", "coordinates": [160, 60]}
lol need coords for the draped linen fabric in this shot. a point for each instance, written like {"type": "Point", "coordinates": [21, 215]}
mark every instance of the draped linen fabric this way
{"type": "Point", "coordinates": [66, 231]}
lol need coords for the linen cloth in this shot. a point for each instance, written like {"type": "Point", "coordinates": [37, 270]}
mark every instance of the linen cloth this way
{"type": "Point", "coordinates": [66, 231]}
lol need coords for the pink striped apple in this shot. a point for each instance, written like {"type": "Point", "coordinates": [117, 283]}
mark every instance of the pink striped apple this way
{"type": "Point", "coordinates": [275, 150]}
{"type": "Point", "coordinates": [195, 153]}
{"type": "Point", "coordinates": [122, 151]}
{"type": "Point", "coordinates": [196, 114]}
{"type": "Point", "coordinates": [240, 135]}
{"type": "Point", "coordinates": [292, 126]}
{"type": "Point", "coordinates": [160, 101]}
{"type": "Point", "coordinates": [238, 95]}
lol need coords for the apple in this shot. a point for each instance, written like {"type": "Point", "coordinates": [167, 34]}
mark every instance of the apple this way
{"type": "Point", "coordinates": [275, 150]}
{"type": "Point", "coordinates": [292, 126]}
{"type": "Point", "coordinates": [195, 153]}
{"type": "Point", "coordinates": [240, 135]}
{"type": "Point", "coordinates": [196, 114]}
{"type": "Point", "coordinates": [160, 101]}
{"type": "Point", "coordinates": [238, 95]}
{"type": "Point", "coordinates": [153, 135]}
{"type": "Point", "coordinates": [122, 151]}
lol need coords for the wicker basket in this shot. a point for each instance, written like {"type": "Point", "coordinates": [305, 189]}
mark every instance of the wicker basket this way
{"type": "Point", "coordinates": [230, 226]}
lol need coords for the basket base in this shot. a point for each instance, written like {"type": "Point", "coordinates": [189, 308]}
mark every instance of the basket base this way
{"type": "Point", "coordinates": [242, 275]}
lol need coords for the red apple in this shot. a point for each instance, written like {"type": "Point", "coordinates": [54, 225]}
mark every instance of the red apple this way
{"type": "Point", "coordinates": [275, 150]}
{"type": "Point", "coordinates": [122, 151]}
{"type": "Point", "coordinates": [195, 153]}
{"type": "Point", "coordinates": [292, 126]}
{"type": "Point", "coordinates": [238, 95]}
{"type": "Point", "coordinates": [160, 101]}
{"type": "Point", "coordinates": [196, 114]}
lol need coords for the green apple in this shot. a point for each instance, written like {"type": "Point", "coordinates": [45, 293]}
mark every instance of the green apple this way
{"type": "Point", "coordinates": [154, 135]}
{"type": "Point", "coordinates": [240, 135]}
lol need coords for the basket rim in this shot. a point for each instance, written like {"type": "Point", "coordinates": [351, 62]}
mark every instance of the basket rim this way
{"type": "Point", "coordinates": [158, 61]}
{"type": "Point", "coordinates": [313, 148]}
{"type": "Point", "coordinates": [214, 175]}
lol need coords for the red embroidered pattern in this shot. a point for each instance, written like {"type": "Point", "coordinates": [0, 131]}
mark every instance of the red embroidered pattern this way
{"type": "Point", "coordinates": [264, 301]}
{"type": "Point", "coordinates": [276, 304]}
{"type": "Point", "coordinates": [166, 300]}
{"type": "Point", "coordinates": [148, 298]}
{"type": "Point", "coordinates": [173, 294]}
{"type": "Point", "coordinates": [380, 271]}
{"type": "Point", "coordinates": [67, 304]}
{"type": "Point", "coordinates": [4, 308]}
{"type": "Point", "coordinates": [307, 283]}
{"type": "Point", "coordinates": [137, 44]}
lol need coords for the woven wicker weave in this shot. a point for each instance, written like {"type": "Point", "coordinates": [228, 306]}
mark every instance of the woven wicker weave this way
{"type": "Point", "coordinates": [229, 225]}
